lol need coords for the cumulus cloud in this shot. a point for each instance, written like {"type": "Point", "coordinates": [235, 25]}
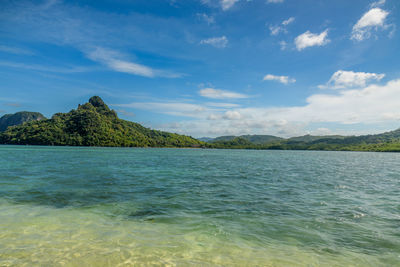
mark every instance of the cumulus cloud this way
{"type": "Point", "coordinates": [219, 42]}
{"type": "Point", "coordinates": [220, 94]}
{"type": "Point", "coordinates": [276, 29]}
{"type": "Point", "coordinates": [374, 19]}
{"type": "Point", "coordinates": [309, 39]}
{"type": "Point", "coordinates": [364, 106]}
{"type": "Point", "coordinates": [349, 79]}
{"type": "Point", "coordinates": [232, 115]}
{"type": "Point", "coordinates": [281, 79]}
{"type": "Point", "coordinates": [275, 1]}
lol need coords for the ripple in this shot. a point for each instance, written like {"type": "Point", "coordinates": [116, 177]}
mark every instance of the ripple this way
{"type": "Point", "coordinates": [110, 207]}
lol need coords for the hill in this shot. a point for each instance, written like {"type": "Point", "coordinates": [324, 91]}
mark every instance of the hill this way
{"type": "Point", "coordinates": [255, 139]}
{"type": "Point", "coordinates": [92, 124]}
{"type": "Point", "coordinates": [311, 138]}
{"type": "Point", "coordinates": [389, 141]}
{"type": "Point", "coordinates": [205, 139]}
{"type": "Point", "coordinates": [19, 118]}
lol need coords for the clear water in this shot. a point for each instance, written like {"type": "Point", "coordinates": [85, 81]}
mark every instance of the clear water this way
{"type": "Point", "coordinates": [63, 206]}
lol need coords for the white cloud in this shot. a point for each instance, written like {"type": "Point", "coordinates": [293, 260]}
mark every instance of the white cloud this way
{"type": "Point", "coordinates": [171, 108]}
{"type": "Point", "coordinates": [309, 39]}
{"type": "Point", "coordinates": [222, 105]}
{"type": "Point", "coordinates": [232, 115]}
{"type": "Point", "coordinates": [209, 110]}
{"type": "Point", "coordinates": [219, 42]}
{"type": "Point", "coordinates": [373, 19]}
{"type": "Point", "coordinates": [276, 29]}
{"type": "Point", "coordinates": [224, 4]}
{"type": "Point", "coordinates": [109, 58]}
{"type": "Point", "coordinates": [227, 4]}
{"type": "Point", "coordinates": [15, 50]}
{"type": "Point", "coordinates": [208, 19]}
{"type": "Point", "coordinates": [44, 68]}
{"type": "Point", "coordinates": [370, 105]}
{"type": "Point", "coordinates": [130, 67]}
{"type": "Point", "coordinates": [213, 117]}
{"type": "Point", "coordinates": [349, 79]}
{"type": "Point", "coordinates": [220, 94]}
{"type": "Point", "coordinates": [114, 61]}
{"type": "Point", "coordinates": [275, 1]}
{"type": "Point", "coordinates": [82, 28]}
{"type": "Point", "coordinates": [288, 21]}
{"type": "Point", "coordinates": [378, 3]}
{"type": "Point", "coordinates": [283, 45]}
{"type": "Point", "coordinates": [322, 131]}
{"type": "Point", "coordinates": [281, 79]}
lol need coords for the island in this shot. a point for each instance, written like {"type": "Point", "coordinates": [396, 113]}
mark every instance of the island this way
{"type": "Point", "coordinates": [92, 124]}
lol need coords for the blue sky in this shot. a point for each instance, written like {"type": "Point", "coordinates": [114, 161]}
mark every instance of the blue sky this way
{"type": "Point", "coordinates": [208, 68]}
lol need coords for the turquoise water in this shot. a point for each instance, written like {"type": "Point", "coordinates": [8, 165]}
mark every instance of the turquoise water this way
{"type": "Point", "coordinates": [64, 206]}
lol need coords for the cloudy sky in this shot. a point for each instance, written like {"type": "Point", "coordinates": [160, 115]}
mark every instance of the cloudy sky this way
{"type": "Point", "coordinates": [208, 67]}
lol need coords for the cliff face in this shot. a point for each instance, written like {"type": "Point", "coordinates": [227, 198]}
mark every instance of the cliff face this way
{"type": "Point", "coordinates": [19, 118]}
{"type": "Point", "coordinates": [92, 124]}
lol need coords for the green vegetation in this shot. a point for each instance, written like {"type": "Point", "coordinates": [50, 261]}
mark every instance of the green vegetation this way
{"type": "Point", "coordinates": [19, 118]}
{"type": "Point", "coordinates": [92, 124]}
{"type": "Point", "coordinates": [385, 142]}
{"type": "Point", "coordinates": [255, 139]}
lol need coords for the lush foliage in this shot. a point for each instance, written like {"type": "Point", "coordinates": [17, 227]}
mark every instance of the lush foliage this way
{"type": "Point", "coordinates": [389, 142]}
{"type": "Point", "coordinates": [255, 139]}
{"type": "Point", "coordinates": [92, 124]}
{"type": "Point", "coordinates": [19, 118]}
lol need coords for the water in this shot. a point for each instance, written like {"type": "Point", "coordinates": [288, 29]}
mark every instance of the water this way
{"type": "Point", "coordinates": [64, 206]}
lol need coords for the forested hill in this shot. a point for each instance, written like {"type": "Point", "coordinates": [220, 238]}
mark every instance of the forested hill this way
{"type": "Point", "coordinates": [389, 141]}
{"type": "Point", "coordinates": [92, 124]}
{"type": "Point", "coordinates": [19, 118]}
{"type": "Point", "coordinates": [255, 139]}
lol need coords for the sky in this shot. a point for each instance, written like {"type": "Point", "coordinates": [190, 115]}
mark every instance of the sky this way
{"type": "Point", "coordinates": [208, 67]}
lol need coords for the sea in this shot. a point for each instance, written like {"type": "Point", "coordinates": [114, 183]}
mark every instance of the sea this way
{"type": "Point", "coordinates": [87, 206]}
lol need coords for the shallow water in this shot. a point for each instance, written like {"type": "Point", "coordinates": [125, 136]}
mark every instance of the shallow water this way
{"type": "Point", "coordinates": [64, 206]}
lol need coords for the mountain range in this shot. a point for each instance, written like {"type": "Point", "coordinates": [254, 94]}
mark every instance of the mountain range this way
{"type": "Point", "coordinates": [388, 141]}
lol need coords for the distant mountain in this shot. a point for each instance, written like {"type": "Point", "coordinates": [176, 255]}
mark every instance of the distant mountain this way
{"type": "Point", "coordinates": [255, 139]}
{"type": "Point", "coordinates": [389, 141]}
{"type": "Point", "coordinates": [19, 118]}
{"type": "Point", "coordinates": [205, 139]}
{"type": "Point", "coordinates": [92, 124]}
{"type": "Point", "coordinates": [311, 138]}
